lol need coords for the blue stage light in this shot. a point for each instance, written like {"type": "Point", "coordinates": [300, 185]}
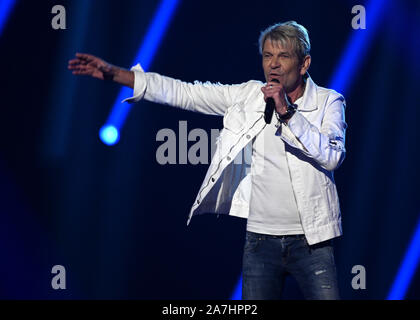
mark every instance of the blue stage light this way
{"type": "Point", "coordinates": [6, 7]}
{"type": "Point", "coordinates": [237, 294]}
{"type": "Point", "coordinates": [155, 33]}
{"type": "Point", "coordinates": [145, 56]}
{"type": "Point", "coordinates": [357, 47]}
{"type": "Point", "coordinates": [407, 268]}
{"type": "Point", "coordinates": [109, 135]}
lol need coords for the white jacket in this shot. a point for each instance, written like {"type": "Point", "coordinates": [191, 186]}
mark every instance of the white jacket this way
{"type": "Point", "coordinates": [314, 136]}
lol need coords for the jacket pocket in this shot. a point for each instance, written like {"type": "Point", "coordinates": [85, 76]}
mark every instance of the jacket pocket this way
{"type": "Point", "coordinates": [234, 119]}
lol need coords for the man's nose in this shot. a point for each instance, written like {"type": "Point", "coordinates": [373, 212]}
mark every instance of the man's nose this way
{"type": "Point", "coordinates": [275, 63]}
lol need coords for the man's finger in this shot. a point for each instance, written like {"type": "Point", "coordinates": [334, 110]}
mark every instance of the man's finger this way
{"type": "Point", "coordinates": [78, 61]}
{"type": "Point", "coordinates": [82, 72]}
{"type": "Point", "coordinates": [84, 56]}
{"type": "Point", "coordinates": [78, 72]}
{"type": "Point", "coordinates": [83, 69]}
{"type": "Point", "coordinates": [75, 61]}
{"type": "Point", "coordinates": [274, 85]}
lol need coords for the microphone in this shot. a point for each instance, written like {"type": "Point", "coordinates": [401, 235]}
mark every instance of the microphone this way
{"type": "Point", "coordinates": [269, 107]}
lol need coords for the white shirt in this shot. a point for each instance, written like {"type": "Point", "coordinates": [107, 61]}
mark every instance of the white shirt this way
{"type": "Point", "coordinates": [273, 208]}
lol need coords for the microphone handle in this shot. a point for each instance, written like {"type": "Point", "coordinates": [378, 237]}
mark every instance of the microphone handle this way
{"type": "Point", "coordinates": [269, 109]}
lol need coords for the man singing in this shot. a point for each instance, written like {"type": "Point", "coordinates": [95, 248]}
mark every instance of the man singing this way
{"type": "Point", "coordinates": [294, 132]}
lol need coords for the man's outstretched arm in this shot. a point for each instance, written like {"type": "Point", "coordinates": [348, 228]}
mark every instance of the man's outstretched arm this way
{"type": "Point", "coordinates": [206, 98]}
{"type": "Point", "coordinates": [89, 65]}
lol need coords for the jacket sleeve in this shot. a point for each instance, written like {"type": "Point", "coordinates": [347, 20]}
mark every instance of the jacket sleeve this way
{"type": "Point", "coordinates": [207, 98]}
{"type": "Point", "coordinates": [327, 144]}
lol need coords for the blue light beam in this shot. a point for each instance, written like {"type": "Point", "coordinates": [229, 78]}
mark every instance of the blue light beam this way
{"type": "Point", "coordinates": [357, 47]}
{"type": "Point", "coordinates": [6, 7]}
{"type": "Point", "coordinates": [407, 268]}
{"type": "Point", "coordinates": [237, 294]}
{"type": "Point", "coordinates": [109, 135]}
{"type": "Point", "coordinates": [145, 56]}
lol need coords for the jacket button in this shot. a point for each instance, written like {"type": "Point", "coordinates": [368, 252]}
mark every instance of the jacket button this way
{"type": "Point", "coordinates": [248, 136]}
{"type": "Point", "coordinates": [212, 179]}
{"type": "Point", "coordinates": [198, 201]}
{"type": "Point", "coordinates": [228, 158]}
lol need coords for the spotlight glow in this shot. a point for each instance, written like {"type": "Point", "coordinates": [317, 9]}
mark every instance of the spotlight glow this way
{"type": "Point", "coordinates": [109, 135]}
{"type": "Point", "coordinates": [145, 56]}
{"type": "Point", "coordinates": [6, 7]}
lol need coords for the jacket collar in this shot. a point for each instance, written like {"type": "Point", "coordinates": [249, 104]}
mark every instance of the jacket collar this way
{"type": "Point", "coordinates": [309, 100]}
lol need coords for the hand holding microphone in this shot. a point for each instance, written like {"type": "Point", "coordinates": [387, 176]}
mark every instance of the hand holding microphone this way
{"type": "Point", "coordinates": [275, 98]}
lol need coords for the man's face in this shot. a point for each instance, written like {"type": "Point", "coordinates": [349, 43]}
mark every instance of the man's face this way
{"type": "Point", "coordinates": [281, 63]}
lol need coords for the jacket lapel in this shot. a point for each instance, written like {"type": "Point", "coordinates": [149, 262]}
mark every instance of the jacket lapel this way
{"type": "Point", "coordinates": [310, 97]}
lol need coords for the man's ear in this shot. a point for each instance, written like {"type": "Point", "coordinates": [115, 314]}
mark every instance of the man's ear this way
{"type": "Point", "coordinates": [305, 64]}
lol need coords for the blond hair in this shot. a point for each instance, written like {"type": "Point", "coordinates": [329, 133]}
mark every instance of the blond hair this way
{"type": "Point", "coordinates": [287, 33]}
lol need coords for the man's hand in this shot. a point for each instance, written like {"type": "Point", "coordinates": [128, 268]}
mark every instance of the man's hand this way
{"type": "Point", "coordinates": [89, 65]}
{"type": "Point", "coordinates": [276, 91]}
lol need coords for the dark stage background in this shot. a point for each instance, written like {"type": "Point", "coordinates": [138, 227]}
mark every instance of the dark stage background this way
{"type": "Point", "coordinates": [116, 219]}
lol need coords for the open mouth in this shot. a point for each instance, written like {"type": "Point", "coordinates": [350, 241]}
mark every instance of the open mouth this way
{"type": "Point", "coordinates": [274, 76]}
